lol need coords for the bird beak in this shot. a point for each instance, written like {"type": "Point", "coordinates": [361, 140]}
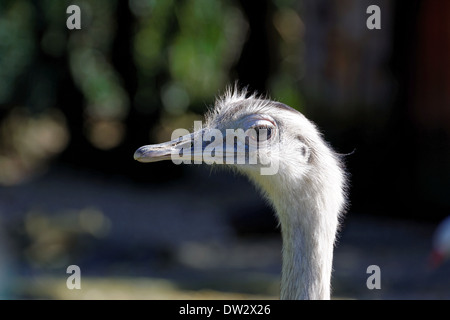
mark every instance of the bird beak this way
{"type": "Point", "coordinates": [155, 152]}
{"type": "Point", "coordinates": [184, 147]}
{"type": "Point", "coordinates": [198, 148]}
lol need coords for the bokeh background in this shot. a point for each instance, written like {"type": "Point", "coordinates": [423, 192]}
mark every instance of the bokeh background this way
{"type": "Point", "coordinates": [76, 104]}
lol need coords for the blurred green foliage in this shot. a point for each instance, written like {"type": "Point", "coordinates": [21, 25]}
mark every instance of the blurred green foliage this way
{"type": "Point", "coordinates": [16, 46]}
{"type": "Point", "coordinates": [180, 54]}
{"type": "Point", "coordinates": [197, 42]}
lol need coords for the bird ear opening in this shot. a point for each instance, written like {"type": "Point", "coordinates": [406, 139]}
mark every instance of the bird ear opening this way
{"type": "Point", "coordinates": [305, 152]}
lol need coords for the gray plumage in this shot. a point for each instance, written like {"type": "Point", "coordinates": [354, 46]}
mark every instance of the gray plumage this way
{"type": "Point", "coordinates": [307, 191]}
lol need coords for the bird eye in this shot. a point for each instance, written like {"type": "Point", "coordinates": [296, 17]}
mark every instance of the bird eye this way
{"type": "Point", "coordinates": [260, 133]}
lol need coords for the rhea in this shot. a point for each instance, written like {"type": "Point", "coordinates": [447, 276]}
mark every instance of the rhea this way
{"type": "Point", "coordinates": [307, 191]}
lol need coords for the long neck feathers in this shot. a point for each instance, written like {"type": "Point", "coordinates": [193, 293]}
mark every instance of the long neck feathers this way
{"type": "Point", "coordinates": [307, 253]}
{"type": "Point", "coordinates": [308, 209]}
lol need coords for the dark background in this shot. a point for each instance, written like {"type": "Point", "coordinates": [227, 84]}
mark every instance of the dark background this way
{"type": "Point", "coordinates": [76, 104]}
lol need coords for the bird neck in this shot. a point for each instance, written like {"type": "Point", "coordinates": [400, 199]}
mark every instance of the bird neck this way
{"type": "Point", "coordinates": [307, 258]}
{"type": "Point", "coordinates": [308, 225]}
{"type": "Point", "coordinates": [308, 208]}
